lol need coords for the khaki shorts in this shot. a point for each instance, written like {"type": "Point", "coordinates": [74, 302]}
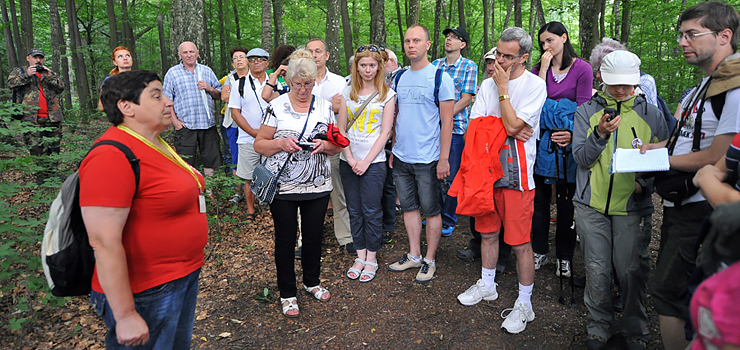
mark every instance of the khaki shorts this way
{"type": "Point", "coordinates": [248, 159]}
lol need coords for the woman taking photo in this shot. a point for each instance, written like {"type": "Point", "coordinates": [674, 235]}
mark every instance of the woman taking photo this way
{"type": "Point", "coordinates": [288, 137]}
{"type": "Point", "coordinates": [567, 77]}
{"type": "Point", "coordinates": [122, 62]}
{"type": "Point", "coordinates": [149, 235]}
{"type": "Point", "coordinates": [362, 164]}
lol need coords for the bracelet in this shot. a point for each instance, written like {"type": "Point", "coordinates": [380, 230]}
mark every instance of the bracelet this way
{"type": "Point", "coordinates": [268, 84]}
{"type": "Point", "coordinates": [503, 97]}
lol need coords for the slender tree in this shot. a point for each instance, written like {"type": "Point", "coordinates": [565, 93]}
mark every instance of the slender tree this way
{"type": "Point", "coordinates": [112, 25]}
{"type": "Point", "coordinates": [222, 37]}
{"type": "Point", "coordinates": [588, 26]}
{"type": "Point", "coordinates": [236, 21]}
{"type": "Point", "coordinates": [205, 52]}
{"type": "Point", "coordinates": [19, 45]}
{"type": "Point", "coordinates": [78, 59]}
{"type": "Point", "coordinates": [486, 25]}
{"type": "Point", "coordinates": [625, 31]}
{"type": "Point", "coordinates": [8, 33]}
{"type": "Point", "coordinates": [128, 33]}
{"type": "Point", "coordinates": [377, 22]}
{"type": "Point", "coordinates": [277, 19]}
{"type": "Point", "coordinates": [26, 25]}
{"type": "Point", "coordinates": [346, 33]}
{"type": "Point", "coordinates": [162, 41]}
{"type": "Point", "coordinates": [414, 7]}
{"type": "Point", "coordinates": [267, 25]}
{"type": "Point", "coordinates": [508, 13]}
{"type": "Point", "coordinates": [438, 6]}
{"type": "Point", "coordinates": [333, 15]}
{"type": "Point", "coordinates": [518, 13]}
{"type": "Point", "coordinates": [615, 23]}
{"type": "Point", "coordinates": [60, 63]}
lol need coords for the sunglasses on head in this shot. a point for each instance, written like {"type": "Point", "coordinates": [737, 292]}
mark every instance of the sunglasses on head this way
{"type": "Point", "coordinates": [372, 48]}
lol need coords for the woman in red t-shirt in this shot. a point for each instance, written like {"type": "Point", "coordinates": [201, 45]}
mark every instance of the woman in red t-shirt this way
{"type": "Point", "coordinates": [148, 237]}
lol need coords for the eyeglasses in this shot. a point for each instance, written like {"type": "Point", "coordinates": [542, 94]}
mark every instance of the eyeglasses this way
{"type": "Point", "coordinates": [454, 36]}
{"type": "Point", "coordinates": [304, 85]}
{"type": "Point", "coordinates": [372, 48]}
{"type": "Point", "coordinates": [691, 36]}
{"type": "Point", "coordinates": [259, 59]}
{"type": "Point", "coordinates": [238, 58]}
{"type": "Point", "coordinates": [506, 56]}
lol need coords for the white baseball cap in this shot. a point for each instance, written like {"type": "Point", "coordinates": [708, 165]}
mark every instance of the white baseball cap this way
{"type": "Point", "coordinates": [490, 54]}
{"type": "Point", "coordinates": [620, 68]}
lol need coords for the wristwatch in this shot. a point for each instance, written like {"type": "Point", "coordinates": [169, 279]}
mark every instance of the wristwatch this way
{"type": "Point", "coordinates": [503, 97]}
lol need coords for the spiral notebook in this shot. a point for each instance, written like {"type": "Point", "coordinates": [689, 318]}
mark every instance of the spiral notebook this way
{"type": "Point", "coordinates": [627, 160]}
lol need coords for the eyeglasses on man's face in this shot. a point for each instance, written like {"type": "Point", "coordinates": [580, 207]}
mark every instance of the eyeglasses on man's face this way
{"type": "Point", "coordinates": [691, 36]}
{"type": "Point", "coordinates": [257, 59]}
{"type": "Point", "coordinates": [454, 36]}
{"type": "Point", "coordinates": [505, 56]}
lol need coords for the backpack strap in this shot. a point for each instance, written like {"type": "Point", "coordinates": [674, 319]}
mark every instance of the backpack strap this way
{"type": "Point", "coordinates": [718, 104]}
{"type": "Point", "coordinates": [129, 155]}
{"type": "Point", "coordinates": [398, 78]}
{"type": "Point", "coordinates": [437, 83]}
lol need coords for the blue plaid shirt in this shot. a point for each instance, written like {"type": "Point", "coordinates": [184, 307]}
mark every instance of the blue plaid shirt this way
{"type": "Point", "coordinates": [465, 75]}
{"type": "Point", "coordinates": [190, 103]}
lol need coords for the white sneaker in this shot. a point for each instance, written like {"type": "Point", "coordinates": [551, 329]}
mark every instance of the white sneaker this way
{"type": "Point", "coordinates": [516, 321]}
{"type": "Point", "coordinates": [476, 293]}
{"type": "Point", "coordinates": [564, 266]}
{"type": "Point", "coordinates": [539, 260]}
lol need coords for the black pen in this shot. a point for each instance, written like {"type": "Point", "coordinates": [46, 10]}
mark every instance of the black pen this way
{"type": "Point", "coordinates": [633, 132]}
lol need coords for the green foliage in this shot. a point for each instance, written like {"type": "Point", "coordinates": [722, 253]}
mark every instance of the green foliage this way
{"type": "Point", "coordinates": [264, 295]}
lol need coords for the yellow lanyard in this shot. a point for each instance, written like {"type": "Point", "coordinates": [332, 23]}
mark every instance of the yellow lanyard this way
{"type": "Point", "coordinates": [173, 156]}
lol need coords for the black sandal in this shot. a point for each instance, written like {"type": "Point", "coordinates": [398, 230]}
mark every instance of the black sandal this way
{"type": "Point", "coordinates": [249, 217]}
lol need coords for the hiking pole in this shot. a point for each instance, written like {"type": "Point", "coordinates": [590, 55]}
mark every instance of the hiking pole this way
{"type": "Point", "coordinates": [556, 147]}
{"type": "Point", "coordinates": [572, 268]}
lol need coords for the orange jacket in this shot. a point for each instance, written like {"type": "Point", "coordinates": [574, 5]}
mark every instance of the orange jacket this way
{"type": "Point", "coordinates": [480, 167]}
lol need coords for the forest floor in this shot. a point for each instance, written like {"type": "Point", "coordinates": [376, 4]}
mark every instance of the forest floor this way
{"type": "Point", "coordinates": [392, 311]}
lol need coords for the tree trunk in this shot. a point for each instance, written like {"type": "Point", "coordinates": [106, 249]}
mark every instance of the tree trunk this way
{"type": "Point", "coordinates": [602, 27]}
{"type": "Point", "coordinates": [532, 25]}
{"type": "Point", "coordinates": [486, 25]}
{"type": "Point", "coordinates": [540, 14]}
{"type": "Point", "coordinates": [267, 25]}
{"type": "Point", "coordinates": [162, 43]}
{"type": "Point", "coordinates": [112, 25]}
{"type": "Point", "coordinates": [19, 45]}
{"type": "Point", "coordinates": [615, 24]}
{"type": "Point", "coordinates": [508, 13]}
{"type": "Point", "coordinates": [355, 25]}
{"type": "Point", "coordinates": [128, 33]}
{"type": "Point", "coordinates": [26, 25]}
{"type": "Point", "coordinates": [222, 38]}
{"type": "Point", "coordinates": [518, 13]}
{"type": "Point", "coordinates": [401, 55]}
{"type": "Point", "coordinates": [462, 23]}
{"type": "Point", "coordinates": [377, 22]}
{"type": "Point", "coordinates": [186, 24]}
{"type": "Point", "coordinates": [59, 50]}
{"type": "Point", "coordinates": [625, 31]}
{"type": "Point", "coordinates": [277, 19]}
{"type": "Point", "coordinates": [8, 33]}
{"type": "Point", "coordinates": [206, 50]}
{"type": "Point", "coordinates": [413, 9]}
{"type": "Point", "coordinates": [236, 22]}
{"type": "Point", "coordinates": [78, 60]}
{"type": "Point", "coordinates": [589, 10]}
{"type": "Point", "coordinates": [333, 16]}
{"type": "Point", "coordinates": [347, 34]}
{"type": "Point", "coordinates": [437, 24]}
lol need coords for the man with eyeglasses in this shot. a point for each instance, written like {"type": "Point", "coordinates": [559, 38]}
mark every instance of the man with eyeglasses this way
{"type": "Point", "coordinates": [247, 108]}
{"type": "Point", "coordinates": [515, 96]}
{"type": "Point", "coordinates": [708, 38]}
{"type": "Point", "coordinates": [192, 87]}
{"type": "Point", "coordinates": [464, 73]}
{"type": "Point", "coordinates": [421, 147]}
{"type": "Point", "coordinates": [329, 87]}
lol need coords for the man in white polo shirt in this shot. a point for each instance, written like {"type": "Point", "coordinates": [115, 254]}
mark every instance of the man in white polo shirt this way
{"type": "Point", "coordinates": [329, 87]}
{"type": "Point", "coordinates": [247, 108]}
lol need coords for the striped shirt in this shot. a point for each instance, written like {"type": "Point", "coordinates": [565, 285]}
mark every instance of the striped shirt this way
{"type": "Point", "coordinates": [464, 73]}
{"type": "Point", "coordinates": [193, 107]}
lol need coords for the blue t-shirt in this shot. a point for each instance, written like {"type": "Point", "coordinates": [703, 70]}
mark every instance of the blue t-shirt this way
{"type": "Point", "coordinates": [418, 122]}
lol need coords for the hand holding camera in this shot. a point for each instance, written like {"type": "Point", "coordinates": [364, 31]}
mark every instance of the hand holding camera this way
{"type": "Point", "coordinates": [609, 122]}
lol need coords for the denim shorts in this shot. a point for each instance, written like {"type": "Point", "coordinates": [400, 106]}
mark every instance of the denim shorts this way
{"type": "Point", "coordinates": [417, 187]}
{"type": "Point", "coordinates": [168, 310]}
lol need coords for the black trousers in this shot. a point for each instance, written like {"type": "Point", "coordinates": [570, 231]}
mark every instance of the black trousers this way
{"type": "Point", "coordinates": [565, 236]}
{"type": "Point", "coordinates": [285, 217]}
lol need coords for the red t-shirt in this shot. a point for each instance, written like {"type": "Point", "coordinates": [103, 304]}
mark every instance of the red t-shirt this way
{"type": "Point", "coordinates": [43, 107]}
{"type": "Point", "coordinates": [165, 232]}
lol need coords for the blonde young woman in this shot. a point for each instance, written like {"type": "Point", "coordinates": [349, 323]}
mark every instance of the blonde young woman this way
{"type": "Point", "coordinates": [362, 164]}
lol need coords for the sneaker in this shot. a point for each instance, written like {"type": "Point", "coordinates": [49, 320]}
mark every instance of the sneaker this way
{"type": "Point", "coordinates": [447, 230]}
{"type": "Point", "coordinates": [564, 266]}
{"type": "Point", "coordinates": [423, 222]}
{"type": "Point", "coordinates": [594, 342]}
{"type": "Point", "coordinates": [404, 264]}
{"type": "Point", "coordinates": [426, 273]}
{"type": "Point", "coordinates": [539, 260]}
{"type": "Point", "coordinates": [467, 254]}
{"type": "Point", "coordinates": [516, 321]}
{"type": "Point", "coordinates": [386, 237]}
{"type": "Point", "coordinates": [476, 293]}
{"type": "Point", "coordinates": [298, 252]}
{"type": "Point", "coordinates": [236, 198]}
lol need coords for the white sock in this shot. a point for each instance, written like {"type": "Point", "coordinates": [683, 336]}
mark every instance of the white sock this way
{"type": "Point", "coordinates": [414, 258]}
{"type": "Point", "coordinates": [430, 262]}
{"type": "Point", "coordinates": [525, 294]}
{"type": "Point", "coordinates": [488, 275]}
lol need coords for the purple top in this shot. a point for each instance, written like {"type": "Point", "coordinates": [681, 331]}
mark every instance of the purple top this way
{"type": "Point", "coordinates": [576, 86]}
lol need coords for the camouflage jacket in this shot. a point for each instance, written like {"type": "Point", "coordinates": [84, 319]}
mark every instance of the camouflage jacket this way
{"type": "Point", "coordinates": [29, 88]}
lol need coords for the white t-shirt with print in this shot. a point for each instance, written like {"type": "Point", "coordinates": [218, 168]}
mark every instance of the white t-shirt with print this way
{"type": "Point", "coordinates": [728, 123]}
{"type": "Point", "coordinates": [250, 106]}
{"type": "Point", "coordinates": [528, 94]}
{"type": "Point", "coordinates": [366, 129]}
{"type": "Point", "coordinates": [330, 86]}
{"type": "Point", "coordinates": [305, 173]}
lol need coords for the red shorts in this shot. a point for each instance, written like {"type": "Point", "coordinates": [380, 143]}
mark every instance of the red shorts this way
{"type": "Point", "coordinates": [514, 209]}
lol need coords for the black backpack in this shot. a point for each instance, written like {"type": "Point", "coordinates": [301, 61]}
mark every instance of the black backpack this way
{"type": "Point", "coordinates": [66, 255]}
{"type": "Point", "coordinates": [437, 83]}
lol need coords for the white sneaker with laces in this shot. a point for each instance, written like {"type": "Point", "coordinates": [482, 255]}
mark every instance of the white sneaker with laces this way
{"type": "Point", "coordinates": [539, 260]}
{"type": "Point", "coordinates": [564, 266]}
{"type": "Point", "coordinates": [516, 321]}
{"type": "Point", "coordinates": [476, 293]}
